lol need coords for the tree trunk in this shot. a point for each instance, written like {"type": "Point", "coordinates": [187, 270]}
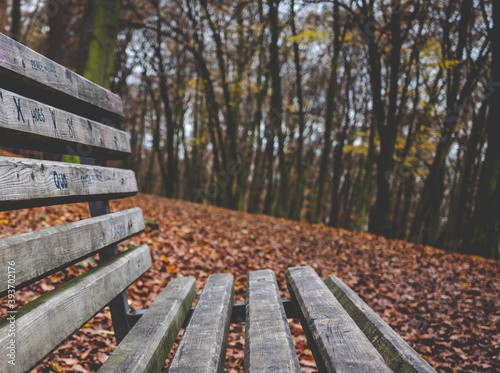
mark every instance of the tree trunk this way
{"type": "Point", "coordinates": [231, 124]}
{"type": "Point", "coordinates": [458, 208]}
{"type": "Point", "coordinates": [364, 195]}
{"type": "Point", "coordinates": [170, 181]}
{"type": "Point", "coordinates": [99, 65]}
{"type": "Point", "coordinates": [3, 16]}
{"type": "Point", "coordinates": [257, 184]}
{"type": "Point", "coordinates": [298, 197]}
{"type": "Point", "coordinates": [15, 26]}
{"type": "Point", "coordinates": [387, 126]}
{"type": "Point", "coordinates": [274, 125]}
{"type": "Point", "coordinates": [59, 35]}
{"type": "Point", "coordinates": [319, 191]}
{"type": "Point", "coordinates": [485, 228]}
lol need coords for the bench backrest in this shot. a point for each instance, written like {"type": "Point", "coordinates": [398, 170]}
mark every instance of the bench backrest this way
{"type": "Point", "coordinates": [44, 106]}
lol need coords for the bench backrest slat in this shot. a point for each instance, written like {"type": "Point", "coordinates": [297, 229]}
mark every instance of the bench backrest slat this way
{"type": "Point", "coordinates": [34, 125]}
{"type": "Point", "coordinates": [27, 183]}
{"type": "Point", "coordinates": [44, 106]}
{"type": "Point", "coordinates": [30, 74]}
{"type": "Point", "coordinates": [41, 253]}
{"type": "Point", "coordinates": [48, 320]}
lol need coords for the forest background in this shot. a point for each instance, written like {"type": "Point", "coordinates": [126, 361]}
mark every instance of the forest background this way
{"type": "Point", "coordinates": [379, 116]}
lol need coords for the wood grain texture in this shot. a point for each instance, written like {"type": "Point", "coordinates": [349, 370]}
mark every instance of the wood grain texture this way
{"type": "Point", "coordinates": [338, 345]}
{"type": "Point", "coordinates": [398, 355]}
{"type": "Point", "coordinates": [28, 183]}
{"type": "Point", "coordinates": [48, 320]}
{"type": "Point", "coordinates": [147, 345]}
{"type": "Point", "coordinates": [40, 253]}
{"type": "Point", "coordinates": [268, 342]}
{"type": "Point", "coordinates": [203, 345]}
{"type": "Point", "coordinates": [36, 72]}
{"type": "Point", "coordinates": [31, 124]}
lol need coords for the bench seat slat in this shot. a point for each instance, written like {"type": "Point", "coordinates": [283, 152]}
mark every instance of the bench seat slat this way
{"type": "Point", "coordinates": [399, 356]}
{"type": "Point", "coordinates": [42, 79]}
{"type": "Point", "coordinates": [29, 124]}
{"type": "Point", "coordinates": [338, 345]}
{"type": "Point", "coordinates": [41, 253]}
{"type": "Point", "coordinates": [28, 183]}
{"type": "Point", "coordinates": [147, 345]}
{"type": "Point", "coordinates": [268, 342]}
{"type": "Point", "coordinates": [50, 319]}
{"type": "Point", "coordinates": [203, 345]}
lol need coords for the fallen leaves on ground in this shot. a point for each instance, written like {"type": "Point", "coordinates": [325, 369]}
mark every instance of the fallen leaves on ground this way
{"type": "Point", "coordinates": [446, 306]}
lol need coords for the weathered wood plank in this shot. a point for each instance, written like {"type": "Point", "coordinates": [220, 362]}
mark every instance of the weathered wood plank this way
{"type": "Point", "coordinates": [268, 342]}
{"type": "Point", "coordinates": [50, 319]}
{"type": "Point", "coordinates": [338, 345]}
{"type": "Point", "coordinates": [398, 355]}
{"type": "Point", "coordinates": [26, 123]}
{"type": "Point", "coordinates": [40, 253]}
{"type": "Point", "coordinates": [203, 345]}
{"type": "Point", "coordinates": [28, 183]}
{"type": "Point", "coordinates": [147, 345]}
{"type": "Point", "coordinates": [28, 73]}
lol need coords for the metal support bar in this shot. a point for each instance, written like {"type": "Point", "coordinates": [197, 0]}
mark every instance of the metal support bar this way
{"type": "Point", "coordinates": [239, 312]}
{"type": "Point", "coordinates": [134, 317]}
{"type": "Point", "coordinates": [118, 306]}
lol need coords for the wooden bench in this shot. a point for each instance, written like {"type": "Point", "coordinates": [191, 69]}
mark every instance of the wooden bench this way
{"type": "Point", "coordinates": [44, 106]}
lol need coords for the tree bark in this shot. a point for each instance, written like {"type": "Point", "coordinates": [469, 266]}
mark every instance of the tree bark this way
{"type": "Point", "coordinates": [387, 125]}
{"type": "Point", "coordinates": [298, 197]}
{"type": "Point", "coordinates": [458, 207]}
{"type": "Point", "coordinates": [59, 35]}
{"type": "Point", "coordinates": [99, 65]}
{"type": "Point", "coordinates": [485, 228]}
{"type": "Point", "coordinates": [171, 178]}
{"type": "Point", "coordinates": [3, 16]}
{"type": "Point", "coordinates": [317, 207]}
{"type": "Point", "coordinates": [364, 195]}
{"type": "Point", "coordinates": [275, 120]}
{"type": "Point", "coordinates": [15, 26]}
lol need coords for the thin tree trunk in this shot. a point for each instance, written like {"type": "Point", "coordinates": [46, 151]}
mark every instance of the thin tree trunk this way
{"type": "Point", "coordinates": [59, 34]}
{"type": "Point", "coordinates": [387, 126]}
{"type": "Point", "coordinates": [364, 196]}
{"type": "Point", "coordinates": [257, 184]}
{"type": "Point", "coordinates": [458, 208]}
{"type": "Point", "coordinates": [296, 205]}
{"type": "Point", "coordinates": [15, 26]}
{"type": "Point", "coordinates": [3, 16]}
{"type": "Point", "coordinates": [485, 228]}
{"type": "Point", "coordinates": [274, 125]}
{"type": "Point", "coordinates": [331, 104]}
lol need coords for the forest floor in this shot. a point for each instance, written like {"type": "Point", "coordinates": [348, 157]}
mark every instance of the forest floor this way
{"type": "Point", "coordinates": [446, 306]}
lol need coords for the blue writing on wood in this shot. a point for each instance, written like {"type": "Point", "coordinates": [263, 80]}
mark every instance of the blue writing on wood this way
{"type": "Point", "coordinates": [37, 115]}
{"type": "Point", "coordinates": [91, 179]}
{"type": "Point", "coordinates": [71, 128]}
{"type": "Point", "coordinates": [40, 66]}
{"type": "Point", "coordinates": [19, 111]}
{"type": "Point", "coordinates": [53, 115]}
{"type": "Point", "coordinates": [119, 231]}
{"type": "Point", "coordinates": [60, 181]}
